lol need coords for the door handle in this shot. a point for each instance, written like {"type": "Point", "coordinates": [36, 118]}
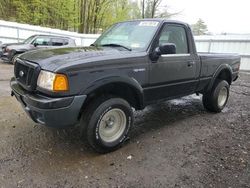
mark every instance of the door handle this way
{"type": "Point", "coordinates": [190, 63]}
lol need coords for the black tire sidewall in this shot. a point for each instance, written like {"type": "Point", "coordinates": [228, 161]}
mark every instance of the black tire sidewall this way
{"type": "Point", "coordinates": [13, 54]}
{"type": "Point", "coordinates": [102, 109]}
{"type": "Point", "coordinates": [13, 58]}
{"type": "Point", "coordinates": [217, 89]}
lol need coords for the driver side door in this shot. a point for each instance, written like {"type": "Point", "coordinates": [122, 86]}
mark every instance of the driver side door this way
{"type": "Point", "coordinates": [173, 75]}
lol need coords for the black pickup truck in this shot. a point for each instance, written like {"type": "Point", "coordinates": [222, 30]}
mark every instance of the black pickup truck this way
{"type": "Point", "coordinates": [131, 65]}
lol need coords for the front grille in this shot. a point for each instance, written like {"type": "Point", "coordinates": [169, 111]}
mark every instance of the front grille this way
{"type": "Point", "coordinates": [26, 74]}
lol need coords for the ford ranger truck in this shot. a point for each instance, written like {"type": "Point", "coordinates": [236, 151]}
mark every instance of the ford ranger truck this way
{"type": "Point", "coordinates": [131, 65]}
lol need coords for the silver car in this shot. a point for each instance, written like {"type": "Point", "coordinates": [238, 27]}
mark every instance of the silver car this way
{"type": "Point", "coordinates": [9, 51]}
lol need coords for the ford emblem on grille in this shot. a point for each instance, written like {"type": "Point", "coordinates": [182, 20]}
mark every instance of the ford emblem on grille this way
{"type": "Point", "coordinates": [21, 73]}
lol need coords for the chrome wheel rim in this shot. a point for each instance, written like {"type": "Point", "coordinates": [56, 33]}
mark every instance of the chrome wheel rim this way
{"type": "Point", "coordinates": [112, 125]}
{"type": "Point", "coordinates": [222, 98]}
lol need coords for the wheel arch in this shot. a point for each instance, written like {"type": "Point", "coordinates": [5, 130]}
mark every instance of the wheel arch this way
{"type": "Point", "coordinates": [126, 88]}
{"type": "Point", "coordinates": [224, 72]}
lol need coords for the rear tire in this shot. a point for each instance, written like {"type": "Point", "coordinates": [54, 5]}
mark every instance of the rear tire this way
{"type": "Point", "coordinates": [106, 123]}
{"type": "Point", "coordinates": [216, 99]}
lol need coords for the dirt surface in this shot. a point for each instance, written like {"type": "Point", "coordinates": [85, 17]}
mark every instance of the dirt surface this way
{"type": "Point", "coordinates": [173, 144]}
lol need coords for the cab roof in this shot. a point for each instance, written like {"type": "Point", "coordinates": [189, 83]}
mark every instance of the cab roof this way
{"type": "Point", "coordinates": [43, 35]}
{"type": "Point", "coordinates": [161, 20]}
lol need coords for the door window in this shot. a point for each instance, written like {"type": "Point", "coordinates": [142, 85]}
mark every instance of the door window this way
{"type": "Point", "coordinates": [57, 42]}
{"type": "Point", "coordinates": [66, 42]}
{"type": "Point", "coordinates": [177, 35]}
{"type": "Point", "coordinates": [41, 41]}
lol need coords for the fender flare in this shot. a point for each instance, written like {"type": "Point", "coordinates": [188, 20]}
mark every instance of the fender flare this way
{"type": "Point", "coordinates": [129, 81]}
{"type": "Point", "coordinates": [217, 72]}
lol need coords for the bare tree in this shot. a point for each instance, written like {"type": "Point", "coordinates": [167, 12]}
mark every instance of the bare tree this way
{"type": "Point", "coordinates": [154, 6]}
{"type": "Point", "coordinates": [152, 9]}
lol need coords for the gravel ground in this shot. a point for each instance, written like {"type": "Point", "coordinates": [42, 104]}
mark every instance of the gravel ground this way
{"type": "Point", "coordinates": [173, 144]}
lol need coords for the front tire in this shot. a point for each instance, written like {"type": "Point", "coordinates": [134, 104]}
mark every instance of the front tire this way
{"type": "Point", "coordinates": [216, 99]}
{"type": "Point", "coordinates": [13, 59]}
{"type": "Point", "coordinates": [12, 56]}
{"type": "Point", "coordinates": [106, 123]}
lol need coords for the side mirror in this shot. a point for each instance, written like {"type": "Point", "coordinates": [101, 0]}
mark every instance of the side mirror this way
{"type": "Point", "coordinates": [166, 48]}
{"type": "Point", "coordinates": [35, 44]}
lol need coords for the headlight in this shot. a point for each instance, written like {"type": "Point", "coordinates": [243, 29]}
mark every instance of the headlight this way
{"type": "Point", "coordinates": [53, 81]}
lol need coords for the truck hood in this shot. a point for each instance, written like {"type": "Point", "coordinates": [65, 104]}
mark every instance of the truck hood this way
{"type": "Point", "coordinates": [54, 59]}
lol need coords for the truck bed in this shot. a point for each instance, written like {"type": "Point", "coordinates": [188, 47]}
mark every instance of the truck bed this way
{"type": "Point", "coordinates": [210, 62]}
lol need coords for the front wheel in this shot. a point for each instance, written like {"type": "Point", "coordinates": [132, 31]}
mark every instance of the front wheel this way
{"type": "Point", "coordinates": [216, 99]}
{"type": "Point", "coordinates": [13, 59]}
{"type": "Point", "coordinates": [106, 123]}
{"type": "Point", "coordinates": [13, 55]}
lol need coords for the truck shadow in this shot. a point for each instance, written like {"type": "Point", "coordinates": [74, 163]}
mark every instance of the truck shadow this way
{"type": "Point", "coordinates": [166, 114]}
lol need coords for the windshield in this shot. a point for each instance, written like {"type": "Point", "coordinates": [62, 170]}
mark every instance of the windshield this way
{"type": "Point", "coordinates": [134, 35]}
{"type": "Point", "coordinates": [28, 40]}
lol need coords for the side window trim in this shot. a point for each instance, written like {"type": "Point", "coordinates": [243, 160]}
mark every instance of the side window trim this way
{"type": "Point", "coordinates": [176, 55]}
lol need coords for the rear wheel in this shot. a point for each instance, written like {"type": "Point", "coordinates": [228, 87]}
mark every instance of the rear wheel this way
{"type": "Point", "coordinates": [106, 123]}
{"type": "Point", "coordinates": [216, 99]}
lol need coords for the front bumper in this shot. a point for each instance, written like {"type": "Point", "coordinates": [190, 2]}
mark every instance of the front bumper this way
{"type": "Point", "coordinates": [235, 76]}
{"type": "Point", "coordinates": [5, 57]}
{"type": "Point", "coordinates": [52, 112]}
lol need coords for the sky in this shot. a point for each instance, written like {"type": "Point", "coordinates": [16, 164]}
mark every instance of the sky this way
{"type": "Point", "coordinates": [221, 16]}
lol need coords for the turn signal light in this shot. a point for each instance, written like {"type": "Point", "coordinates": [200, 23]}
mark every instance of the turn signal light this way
{"type": "Point", "coordinates": [61, 83]}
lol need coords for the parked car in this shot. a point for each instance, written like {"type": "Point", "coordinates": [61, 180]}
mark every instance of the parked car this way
{"type": "Point", "coordinates": [11, 50]}
{"type": "Point", "coordinates": [133, 64]}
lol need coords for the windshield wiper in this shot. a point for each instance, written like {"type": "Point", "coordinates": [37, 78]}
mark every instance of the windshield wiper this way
{"type": "Point", "coordinates": [117, 45]}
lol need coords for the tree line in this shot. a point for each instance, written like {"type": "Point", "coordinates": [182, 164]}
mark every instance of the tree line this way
{"type": "Point", "coordinates": [83, 16]}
